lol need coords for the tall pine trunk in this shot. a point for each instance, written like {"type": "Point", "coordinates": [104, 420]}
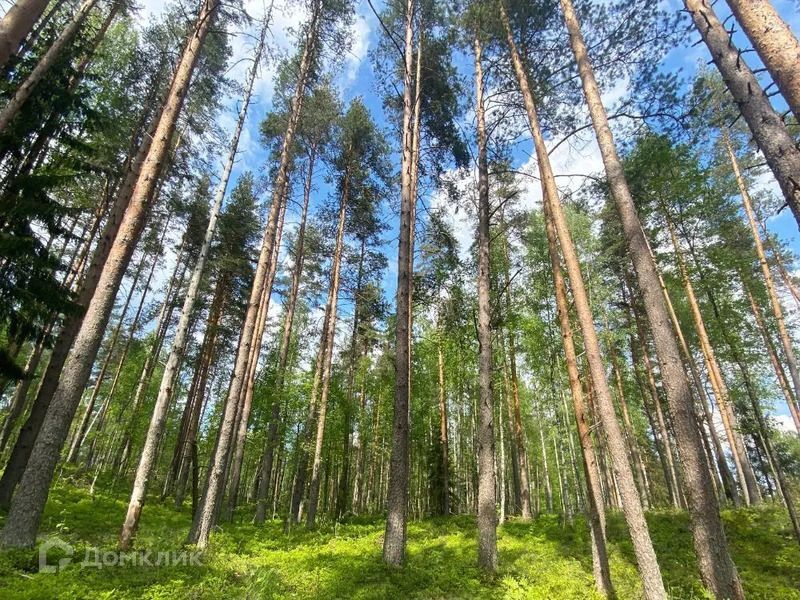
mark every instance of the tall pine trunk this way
{"type": "Point", "coordinates": [51, 56]}
{"type": "Point", "coordinates": [487, 517]}
{"type": "Point", "coordinates": [283, 355]}
{"type": "Point", "coordinates": [394, 540]}
{"type": "Point", "coordinates": [204, 515]}
{"type": "Point", "coordinates": [649, 569]}
{"type": "Point", "coordinates": [774, 301]}
{"type": "Point", "coordinates": [769, 131]}
{"type": "Point", "coordinates": [596, 506]}
{"type": "Point", "coordinates": [17, 24]}
{"type": "Point", "coordinates": [710, 543]}
{"type": "Point", "coordinates": [744, 469]}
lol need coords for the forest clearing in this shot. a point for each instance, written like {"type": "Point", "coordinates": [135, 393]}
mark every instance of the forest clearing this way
{"type": "Point", "coordinates": [376, 299]}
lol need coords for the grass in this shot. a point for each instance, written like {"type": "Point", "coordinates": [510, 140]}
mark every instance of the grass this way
{"type": "Point", "coordinates": [541, 559]}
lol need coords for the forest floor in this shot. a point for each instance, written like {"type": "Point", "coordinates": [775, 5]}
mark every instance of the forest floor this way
{"type": "Point", "coordinates": [544, 558]}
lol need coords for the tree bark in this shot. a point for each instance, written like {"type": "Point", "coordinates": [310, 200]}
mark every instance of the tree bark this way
{"type": "Point", "coordinates": [17, 24]}
{"type": "Point", "coordinates": [649, 569]}
{"type": "Point", "coordinates": [487, 517]}
{"type": "Point", "coordinates": [769, 131]}
{"type": "Point", "coordinates": [283, 356]}
{"type": "Point", "coordinates": [203, 517]}
{"type": "Point", "coordinates": [327, 356]}
{"type": "Point", "coordinates": [775, 43]}
{"type": "Point", "coordinates": [394, 539]}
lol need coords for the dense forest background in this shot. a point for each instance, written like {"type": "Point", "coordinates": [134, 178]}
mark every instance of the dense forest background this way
{"type": "Point", "coordinates": [485, 273]}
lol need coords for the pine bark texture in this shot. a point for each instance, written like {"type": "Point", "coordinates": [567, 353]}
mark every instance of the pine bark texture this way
{"type": "Point", "coordinates": [775, 43]}
{"type": "Point", "coordinates": [17, 24]}
{"type": "Point", "coordinates": [53, 53]}
{"type": "Point", "coordinates": [394, 540]}
{"type": "Point", "coordinates": [158, 419]}
{"type": "Point", "coordinates": [487, 517]}
{"type": "Point", "coordinates": [28, 503]}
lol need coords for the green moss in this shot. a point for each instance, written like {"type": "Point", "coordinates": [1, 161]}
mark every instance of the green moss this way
{"type": "Point", "coordinates": [545, 558]}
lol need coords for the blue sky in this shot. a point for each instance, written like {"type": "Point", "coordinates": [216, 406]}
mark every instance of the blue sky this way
{"type": "Point", "coordinates": [355, 77]}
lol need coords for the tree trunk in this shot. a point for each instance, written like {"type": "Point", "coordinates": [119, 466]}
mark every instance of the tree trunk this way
{"type": "Point", "coordinates": [780, 375]}
{"type": "Point", "coordinates": [487, 517]}
{"type": "Point", "coordinates": [327, 356]}
{"type": "Point", "coordinates": [27, 506]}
{"type": "Point", "coordinates": [777, 309]}
{"type": "Point", "coordinates": [394, 540]}
{"type": "Point", "coordinates": [649, 569]}
{"type": "Point", "coordinates": [775, 43]}
{"type": "Point", "coordinates": [769, 131]}
{"type": "Point", "coordinates": [17, 24]}
{"type": "Point", "coordinates": [283, 356]}
{"type": "Point", "coordinates": [53, 53]}
{"type": "Point", "coordinates": [744, 469]}
{"type": "Point", "coordinates": [443, 435]}
{"type": "Point", "coordinates": [596, 507]}
{"type": "Point", "coordinates": [670, 473]}
{"type": "Point", "coordinates": [203, 518]}
{"type": "Point", "coordinates": [710, 543]}
{"type": "Point", "coordinates": [518, 436]}
{"type": "Point", "coordinates": [158, 420]}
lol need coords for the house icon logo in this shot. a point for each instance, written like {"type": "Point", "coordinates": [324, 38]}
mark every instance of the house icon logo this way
{"type": "Point", "coordinates": [54, 544]}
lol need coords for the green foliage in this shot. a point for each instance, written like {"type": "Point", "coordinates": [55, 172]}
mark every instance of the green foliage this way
{"type": "Point", "coordinates": [543, 559]}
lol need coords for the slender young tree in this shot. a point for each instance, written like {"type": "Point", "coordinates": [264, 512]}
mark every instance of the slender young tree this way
{"type": "Point", "coordinates": [711, 546]}
{"type": "Point", "coordinates": [774, 301]}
